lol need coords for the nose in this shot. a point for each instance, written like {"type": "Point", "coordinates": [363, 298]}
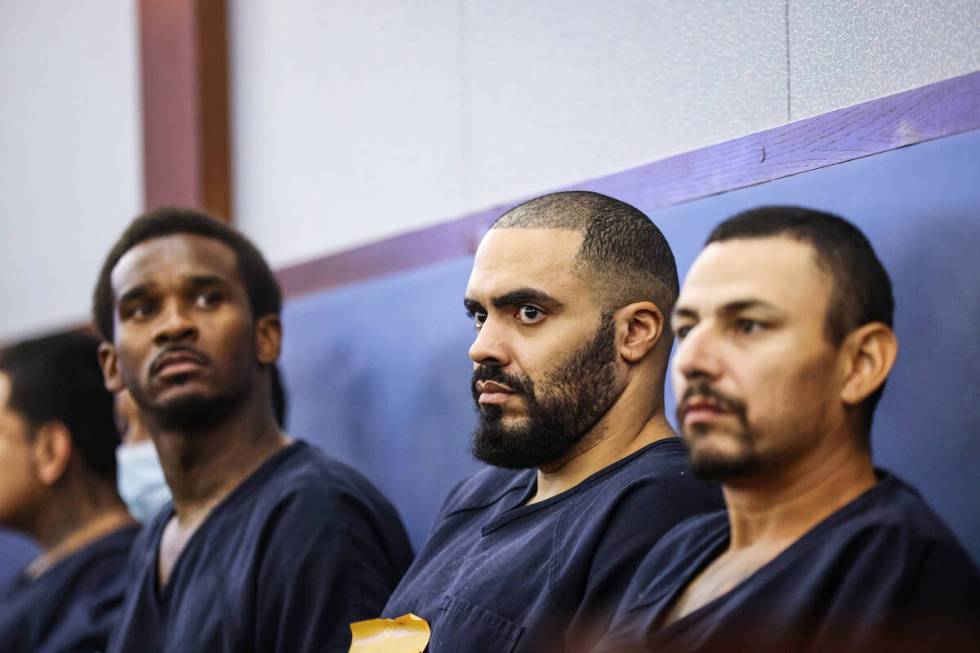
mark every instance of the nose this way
{"type": "Point", "coordinates": [175, 324]}
{"type": "Point", "coordinates": [697, 355]}
{"type": "Point", "coordinates": [489, 347]}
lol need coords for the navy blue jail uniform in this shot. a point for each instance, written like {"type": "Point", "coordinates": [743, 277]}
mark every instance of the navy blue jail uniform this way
{"type": "Point", "coordinates": [497, 575]}
{"type": "Point", "coordinates": [301, 548]}
{"type": "Point", "coordinates": [73, 606]}
{"type": "Point", "coordinates": [883, 573]}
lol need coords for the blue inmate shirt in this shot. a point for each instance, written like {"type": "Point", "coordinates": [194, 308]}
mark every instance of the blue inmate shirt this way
{"type": "Point", "coordinates": [497, 575]}
{"type": "Point", "coordinates": [881, 574]}
{"type": "Point", "coordinates": [73, 606]}
{"type": "Point", "coordinates": [301, 548]}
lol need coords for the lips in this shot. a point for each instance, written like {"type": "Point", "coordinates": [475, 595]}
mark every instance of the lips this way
{"type": "Point", "coordinates": [700, 409]}
{"type": "Point", "coordinates": [490, 392]}
{"type": "Point", "coordinates": [177, 361]}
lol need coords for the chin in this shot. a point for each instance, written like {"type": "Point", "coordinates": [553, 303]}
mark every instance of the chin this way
{"type": "Point", "coordinates": [713, 466]}
{"type": "Point", "coordinates": [191, 411]}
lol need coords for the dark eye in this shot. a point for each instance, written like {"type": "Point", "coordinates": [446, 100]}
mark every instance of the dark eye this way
{"type": "Point", "coordinates": [209, 299]}
{"type": "Point", "coordinates": [528, 314]}
{"type": "Point", "coordinates": [747, 326]}
{"type": "Point", "coordinates": [139, 311]}
{"type": "Point", "coordinates": [478, 317]}
{"type": "Point", "coordinates": [681, 331]}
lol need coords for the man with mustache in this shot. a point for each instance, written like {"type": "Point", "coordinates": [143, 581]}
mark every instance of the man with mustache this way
{"type": "Point", "coordinates": [784, 327]}
{"type": "Point", "coordinates": [568, 295]}
{"type": "Point", "coordinates": [269, 545]}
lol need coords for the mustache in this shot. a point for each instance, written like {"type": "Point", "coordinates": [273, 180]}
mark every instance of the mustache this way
{"type": "Point", "coordinates": [703, 390]}
{"type": "Point", "coordinates": [520, 385]}
{"type": "Point", "coordinates": [160, 359]}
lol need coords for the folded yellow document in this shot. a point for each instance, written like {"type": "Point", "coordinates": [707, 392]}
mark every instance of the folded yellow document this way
{"type": "Point", "coordinates": [406, 634]}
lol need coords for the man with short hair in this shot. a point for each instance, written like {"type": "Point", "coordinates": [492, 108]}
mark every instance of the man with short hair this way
{"type": "Point", "coordinates": [141, 481]}
{"type": "Point", "coordinates": [269, 545]}
{"type": "Point", "coordinates": [58, 486]}
{"type": "Point", "coordinates": [568, 295]}
{"type": "Point", "coordinates": [785, 339]}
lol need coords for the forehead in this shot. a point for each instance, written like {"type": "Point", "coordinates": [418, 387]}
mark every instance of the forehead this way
{"type": "Point", "coordinates": [777, 270]}
{"type": "Point", "coordinates": [175, 255]}
{"type": "Point", "coordinates": [517, 258]}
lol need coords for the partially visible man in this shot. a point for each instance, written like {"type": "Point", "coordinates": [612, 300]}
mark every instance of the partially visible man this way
{"type": "Point", "coordinates": [568, 295]}
{"type": "Point", "coordinates": [269, 545]}
{"type": "Point", "coordinates": [58, 486]}
{"type": "Point", "coordinates": [785, 342]}
{"type": "Point", "coordinates": [141, 482]}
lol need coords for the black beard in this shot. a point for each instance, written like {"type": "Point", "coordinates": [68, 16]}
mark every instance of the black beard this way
{"type": "Point", "coordinates": [574, 397]}
{"type": "Point", "coordinates": [195, 414]}
{"type": "Point", "coordinates": [716, 468]}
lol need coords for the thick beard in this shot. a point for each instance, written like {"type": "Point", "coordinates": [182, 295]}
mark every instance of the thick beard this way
{"type": "Point", "coordinates": [710, 466]}
{"type": "Point", "coordinates": [573, 398]}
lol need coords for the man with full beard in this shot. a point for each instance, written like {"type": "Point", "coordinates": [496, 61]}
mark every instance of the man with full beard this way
{"type": "Point", "coordinates": [568, 295]}
{"type": "Point", "coordinates": [269, 544]}
{"type": "Point", "coordinates": [785, 342]}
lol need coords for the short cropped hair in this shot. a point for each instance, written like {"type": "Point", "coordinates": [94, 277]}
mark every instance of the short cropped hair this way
{"type": "Point", "coordinates": [57, 378]}
{"type": "Point", "coordinates": [264, 293]}
{"type": "Point", "coordinates": [624, 256]}
{"type": "Point", "coordinates": [862, 290]}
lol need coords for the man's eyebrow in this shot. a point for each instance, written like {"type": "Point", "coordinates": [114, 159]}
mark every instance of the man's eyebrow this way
{"type": "Point", "coordinates": [133, 293]}
{"type": "Point", "coordinates": [740, 305]}
{"type": "Point", "coordinates": [203, 280]}
{"type": "Point", "coordinates": [472, 305]}
{"type": "Point", "coordinates": [728, 308]}
{"type": "Point", "coordinates": [680, 311]}
{"type": "Point", "coordinates": [526, 296]}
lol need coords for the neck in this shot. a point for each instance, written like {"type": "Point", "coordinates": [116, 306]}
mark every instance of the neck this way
{"type": "Point", "coordinates": [632, 423]}
{"type": "Point", "coordinates": [75, 518]}
{"type": "Point", "coordinates": [203, 467]}
{"type": "Point", "coordinates": [782, 507]}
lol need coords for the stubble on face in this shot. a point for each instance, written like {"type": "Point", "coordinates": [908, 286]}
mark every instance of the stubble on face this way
{"type": "Point", "coordinates": [562, 407]}
{"type": "Point", "coordinates": [709, 461]}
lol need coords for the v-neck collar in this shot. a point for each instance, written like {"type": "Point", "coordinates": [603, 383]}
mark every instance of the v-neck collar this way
{"type": "Point", "coordinates": [699, 561]}
{"type": "Point", "coordinates": [241, 492]}
{"type": "Point", "coordinates": [520, 508]}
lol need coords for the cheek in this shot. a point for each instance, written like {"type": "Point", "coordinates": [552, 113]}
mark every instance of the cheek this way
{"type": "Point", "coordinates": [15, 484]}
{"type": "Point", "coordinates": [793, 392]}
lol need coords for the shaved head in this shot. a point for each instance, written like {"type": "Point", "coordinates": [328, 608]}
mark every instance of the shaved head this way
{"type": "Point", "coordinates": [624, 258]}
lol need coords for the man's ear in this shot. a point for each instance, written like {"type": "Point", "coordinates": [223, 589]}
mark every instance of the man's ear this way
{"type": "Point", "coordinates": [643, 326]}
{"type": "Point", "coordinates": [268, 338]}
{"type": "Point", "coordinates": [51, 449]}
{"type": "Point", "coordinates": [869, 354]}
{"type": "Point", "coordinates": [110, 368]}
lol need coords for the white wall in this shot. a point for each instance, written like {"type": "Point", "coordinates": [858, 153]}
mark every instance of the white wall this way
{"type": "Point", "coordinates": [356, 120]}
{"type": "Point", "coordinates": [70, 154]}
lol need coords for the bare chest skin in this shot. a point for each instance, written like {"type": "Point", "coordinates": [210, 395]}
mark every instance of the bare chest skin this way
{"type": "Point", "coordinates": [720, 577]}
{"type": "Point", "coordinates": [172, 544]}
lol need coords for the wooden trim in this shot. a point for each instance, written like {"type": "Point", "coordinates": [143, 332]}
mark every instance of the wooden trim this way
{"type": "Point", "coordinates": [929, 112]}
{"type": "Point", "coordinates": [184, 60]}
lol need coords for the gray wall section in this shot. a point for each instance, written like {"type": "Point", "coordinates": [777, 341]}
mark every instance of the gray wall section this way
{"type": "Point", "coordinates": [378, 373]}
{"type": "Point", "coordinates": [404, 113]}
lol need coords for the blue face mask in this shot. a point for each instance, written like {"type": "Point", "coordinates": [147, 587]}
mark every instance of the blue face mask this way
{"type": "Point", "coordinates": [140, 479]}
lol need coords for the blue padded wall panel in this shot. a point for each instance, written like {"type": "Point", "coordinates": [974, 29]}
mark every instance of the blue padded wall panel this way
{"type": "Point", "coordinates": [378, 376]}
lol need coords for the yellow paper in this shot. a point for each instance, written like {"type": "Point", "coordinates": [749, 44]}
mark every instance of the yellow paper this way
{"type": "Point", "coordinates": [406, 634]}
